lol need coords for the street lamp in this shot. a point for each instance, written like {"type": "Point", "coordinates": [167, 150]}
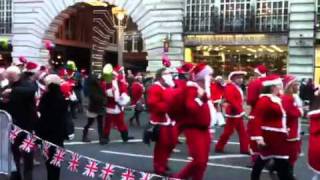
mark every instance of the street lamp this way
{"type": "Point", "coordinates": [120, 20]}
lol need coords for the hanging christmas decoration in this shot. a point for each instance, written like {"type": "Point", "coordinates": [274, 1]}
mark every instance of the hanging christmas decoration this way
{"type": "Point", "coordinates": [28, 143]}
{"type": "Point", "coordinates": [91, 169]}
{"type": "Point", "coordinates": [58, 157]}
{"type": "Point", "coordinates": [74, 162]}
{"type": "Point", "coordinates": [14, 133]}
{"type": "Point", "coordinates": [128, 175]}
{"type": "Point", "coordinates": [166, 61]}
{"type": "Point", "coordinates": [107, 172]}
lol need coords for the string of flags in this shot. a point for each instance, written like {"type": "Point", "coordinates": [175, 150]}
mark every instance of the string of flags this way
{"type": "Point", "coordinates": [93, 168]}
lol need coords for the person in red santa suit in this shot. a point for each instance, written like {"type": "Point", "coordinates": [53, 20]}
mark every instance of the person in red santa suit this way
{"type": "Point", "coordinates": [137, 90]}
{"type": "Point", "coordinates": [314, 137]}
{"type": "Point", "coordinates": [270, 131]}
{"type": "Point", "coordinates": [199, 112]}
{"type": "Point", "coordinates": [217, 93]}
{"type": "Point", "coordinates": [253, 93]}
{"type": "Point", "coordinates": [293, 107]}
{"type": "Point", "coordinates": [117, 98]}
{"type": "Point", "coordinates": [158, 109]}
{"type": "Point", "coordinates": [234, 113]}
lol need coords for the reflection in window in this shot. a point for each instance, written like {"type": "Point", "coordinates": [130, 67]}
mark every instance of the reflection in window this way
{"type": "Point", "coordinates": [5, 16]}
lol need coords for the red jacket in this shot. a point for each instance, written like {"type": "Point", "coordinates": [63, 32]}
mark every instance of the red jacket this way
{"type": "Point", "coordinates": [269, 124]}
{"type": "Point", "coordinates": [293, 113]}
{"type": "Point", "coordinates": [253, 92]}
{"type": "Point", "coordinates": [136, 92]}
{"type": "Point", "coordinates": [175, 97]}
{"type": "Point", "coordinates": [269, 116]}
{"type": "Point", "coordinates": [157, 105]}
{"type": "Point", "coordinates": [117, 96]}
{"type": "Point", "coordinates": [197, 110]}
{"type": "Point", "coordinates": [314, 139]}
{"type": "Point", "coordinates": [217, 92]}
{"type": "Point", "coordinates": [234, 97]}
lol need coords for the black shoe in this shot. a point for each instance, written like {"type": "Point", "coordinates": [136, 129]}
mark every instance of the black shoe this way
{"type": "Point", "coordinates": [103, 141]}
{"type": "Point", "coordinates": [125, 137]}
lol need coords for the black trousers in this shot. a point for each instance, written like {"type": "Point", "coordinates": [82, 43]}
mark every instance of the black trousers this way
{"type": "Point", "coordinates": [26, 157]}
{"type": "Point", "coordinates": [99, 124]}
{"type": "Point", "coordinates": [281, 166]}
{"type": "Point", "coordinates": [53, 172]}
{"type": "Point", "coordinates": [136, 116]}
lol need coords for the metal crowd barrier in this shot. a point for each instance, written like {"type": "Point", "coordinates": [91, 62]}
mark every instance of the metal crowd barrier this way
{"type": "Point", "coordinates": [6, 157]}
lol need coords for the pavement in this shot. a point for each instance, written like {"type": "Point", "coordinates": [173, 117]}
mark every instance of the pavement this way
{"type": "Point", "coordinates": [229, 165]}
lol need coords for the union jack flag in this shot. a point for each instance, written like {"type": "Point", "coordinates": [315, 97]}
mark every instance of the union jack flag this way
{"type": "Point", "coordinates": [128, 175]}
{"type": "Point", "coordinates": [74, 162]}
{"type": "Point", "coordinates": [28, 143]}
{"type": "Point", "coordinates": [91, 169]}
{"type": "Point", "coordinates": [45, 151]}
{"type": "Point", "coordinates": [146, 176]}
{"type": "Point", "coordinates": [14, 133]}
{"type": "Point", "coordinates": [58, 157]}
{"type": "Point", "coordinates": [107, 172]}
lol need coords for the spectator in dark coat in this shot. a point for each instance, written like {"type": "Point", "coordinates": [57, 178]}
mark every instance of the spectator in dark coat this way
{"type": "Point", "coordinates": [22, 107]}
{"type": "Point", "coordinates": [96, 109]}
{"type": "Point", "coordinates": [302, 90]}
{"type": "Point", "coordinates": [310, 89]}
{"type": "Point", "coordinates": [53, 119]}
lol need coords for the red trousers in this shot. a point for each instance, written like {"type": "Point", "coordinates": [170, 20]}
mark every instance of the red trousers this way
{"type": "Point", "coordinates": [117, 120]}
{"type": "Point", "coordinates": [294, 152]}
{"type": "Point", "coordinates": [167, 140]}
{"type": "Point", "coordinates": [231, 125]}
{"type": "Point", "coordinates": [198, 142]}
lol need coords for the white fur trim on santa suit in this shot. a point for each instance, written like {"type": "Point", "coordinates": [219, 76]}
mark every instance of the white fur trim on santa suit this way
{"type": "Point", "coordinates": [206, 71]}
{"type": "Point", "coordinates": [314, 170]}
{"type": "Point", "coordinates": [313, 112]}
{"type": "Point", "coordinates": [169, 122]}
{"type": "Point", "coordinates": [236, 116]}
{"type": "Point", "coordinates": [289, 83]}
{"type": "Point", "coordinates": [115, 110]}
{"type": "Point", "coordinates": [53, 78]}
{"type": "Point", "coordinates": [236, 73]}
{"type": "Point", "coordinates": [274, 82]}
{"type": "Point", "coordinates": [123, 100]}
{"type": "Point", "coordinates": [256, 70]}
{"type": "Point", "coordinates": [109, 92]}
{"type": "Point", "coordinates": [277, 100]}
{"type": "Point", "coordinates": [254, 138]}
{"type": "Point", "coordinates": [274, 157]}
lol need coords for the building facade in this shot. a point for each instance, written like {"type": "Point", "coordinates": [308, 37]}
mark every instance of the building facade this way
{"type": "Point", "coordinates": [239, 34]}
{"type": "Point", "coordinates": [227, 33]}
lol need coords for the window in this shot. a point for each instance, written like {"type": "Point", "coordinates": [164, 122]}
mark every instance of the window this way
{"type": "Point", "coordinates": [5, 16]}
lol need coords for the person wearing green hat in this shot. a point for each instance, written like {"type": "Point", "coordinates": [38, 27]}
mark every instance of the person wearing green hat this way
{"type": "Point", "coordinates": [117, 99]}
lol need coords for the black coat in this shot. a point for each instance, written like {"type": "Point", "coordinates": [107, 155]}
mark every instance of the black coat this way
{"type": "Point", "coordinates": [22, 105]}
{"type": "Point", "coordinates": [97, 97]}
{"type": "Point", "coordinates": [53, 108]}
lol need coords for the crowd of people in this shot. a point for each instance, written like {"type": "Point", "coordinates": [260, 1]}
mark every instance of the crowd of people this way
{"type": "Point", "coordinates": [189, 100]}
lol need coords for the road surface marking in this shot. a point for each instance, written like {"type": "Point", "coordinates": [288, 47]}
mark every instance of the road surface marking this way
{"type": "Point", "coordinates": [174, 159]}
{"type": "Point", "coordinates": [81, 128]}
{"type": "Point", "coordinates": [96, 142]}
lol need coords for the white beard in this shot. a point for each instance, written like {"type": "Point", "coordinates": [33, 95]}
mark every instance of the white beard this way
{"type": "Point", "coordinates": [168, 80]}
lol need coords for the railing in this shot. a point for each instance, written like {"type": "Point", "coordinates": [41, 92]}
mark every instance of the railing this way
{"type": "Point", "coordinates": [6, 158]}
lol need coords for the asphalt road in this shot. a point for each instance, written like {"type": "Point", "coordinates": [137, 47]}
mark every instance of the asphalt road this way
{"type": "Point", "coordinates": [229, 165]}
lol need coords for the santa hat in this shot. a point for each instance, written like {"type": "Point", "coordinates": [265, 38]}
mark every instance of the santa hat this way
{"type": "Point", "coordinates": [288, 80]}
{"type": "Point", "coordinates": [261, 70]}
{"type": "Point", "coordinates": [22, 61]}
{"type": "Point", "coordinates": [13, 69]}
{"type": "Point", "coordinates": [53, 79]}
{"type": "Point", "coordinates": [32, 67]}
{"type": "Point", "coordinates": [201, 70]}
{"type": "Point", "coordinates": [217, 78]}
{"type": "Point", "coordinates": [185, 68]}
{"type": "Point", "coordinates": [272, 80]}
{"type": "Point", "coordinates": [117, 69]}
{"type": "Point", "coordinates": [235, 73]}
